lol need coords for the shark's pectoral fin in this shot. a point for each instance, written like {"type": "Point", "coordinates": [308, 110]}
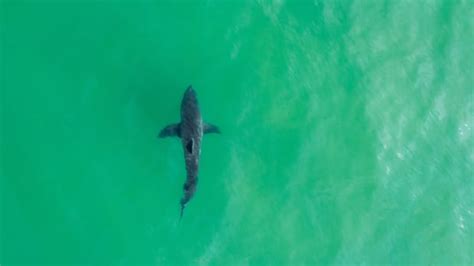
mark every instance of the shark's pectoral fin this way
{"type": "Point", "coordinates": [173, 130]}
{"type": "Point", "coordinates": [210, 128]}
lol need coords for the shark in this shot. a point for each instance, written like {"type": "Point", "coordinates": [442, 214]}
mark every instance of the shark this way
{"type": "Point", "coordinates": [190, 129]}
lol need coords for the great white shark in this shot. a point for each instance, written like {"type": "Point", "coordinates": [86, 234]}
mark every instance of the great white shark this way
{"type": "Point", "coordinates": [190, 130]}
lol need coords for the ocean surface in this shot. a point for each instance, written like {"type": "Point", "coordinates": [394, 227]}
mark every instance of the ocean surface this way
{"type": "Point", "coordinates": [347, 132]}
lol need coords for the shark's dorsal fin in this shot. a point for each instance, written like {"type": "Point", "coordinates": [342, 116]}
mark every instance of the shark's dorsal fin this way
{"type": "Point", "coordinates": [173, 130]}
{"type": "Point", "coordinates": [190, 146]}
{"type": "Point", "coordinates": [210, 128]}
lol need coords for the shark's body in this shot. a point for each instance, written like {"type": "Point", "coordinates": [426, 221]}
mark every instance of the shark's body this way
{"type": "Point", "coordinates": [190, 130]}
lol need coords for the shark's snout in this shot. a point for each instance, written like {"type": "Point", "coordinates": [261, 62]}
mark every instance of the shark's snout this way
{"type": "Point", "coordinates": [190, 91]}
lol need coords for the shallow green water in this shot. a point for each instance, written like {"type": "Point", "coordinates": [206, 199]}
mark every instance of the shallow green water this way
{"type": "Point", "coordinates": [347, 132]}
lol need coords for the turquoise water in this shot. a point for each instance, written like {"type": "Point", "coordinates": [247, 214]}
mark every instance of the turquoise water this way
{"type": "Point", "coordinates": [347, 132]}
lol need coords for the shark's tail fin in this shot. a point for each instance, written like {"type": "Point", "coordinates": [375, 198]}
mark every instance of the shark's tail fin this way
{"type": "Point", "coordinates": [181, 214]}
